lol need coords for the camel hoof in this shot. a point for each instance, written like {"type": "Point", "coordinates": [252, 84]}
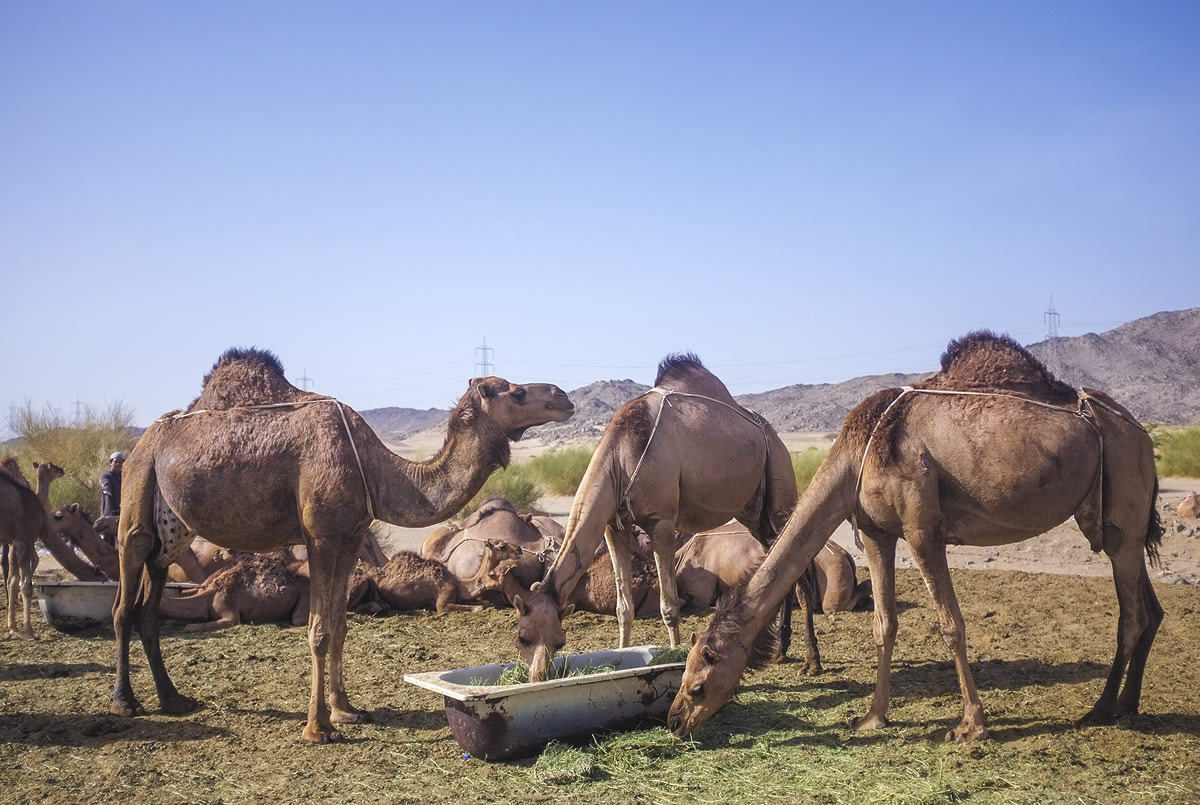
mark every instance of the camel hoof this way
{"type": "Point", "coordinates": [352, 716]}
{"type": "Point", "coordinates": [868, 723]}
{"type": "Point", "coordinates": [318, 736]}
{"type": "Point", "coordinates": [179, 704]}
{"type": "Point", "coordinates": [1096, 718]}
{"type": "Point", "coordinates": [810, 668]}
{"type": "Point", "coordinates": [127, 709]}
{"type": "Point", "coordinates": [962, 735]}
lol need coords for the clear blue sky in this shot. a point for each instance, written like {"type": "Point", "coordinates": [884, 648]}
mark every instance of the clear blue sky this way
{"type": "Point", "coordinates": [799, 192]}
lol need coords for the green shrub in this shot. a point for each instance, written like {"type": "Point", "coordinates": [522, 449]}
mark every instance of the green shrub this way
{"type": "Point", "coordinates": [561, 470]}
{"type": "Point", "coordinates": [805, 464]}
{"type": "Point", "coordinates": [515, 483]}
{"type": "Point", "coordinates": [80, 447]}
{"type": "Point", "coordinates": [1177, 451]}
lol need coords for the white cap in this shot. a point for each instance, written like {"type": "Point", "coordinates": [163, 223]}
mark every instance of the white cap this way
{"type": "Point", "coordinates": [117, 455]}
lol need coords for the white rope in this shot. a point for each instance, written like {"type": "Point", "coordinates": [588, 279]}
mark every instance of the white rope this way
{"type": "Point", "coordinates": [345, 423]}
{"type": "Point", "coordinates": [1088, 416]}
{"type": "Point", "coordinates": [666, 394]}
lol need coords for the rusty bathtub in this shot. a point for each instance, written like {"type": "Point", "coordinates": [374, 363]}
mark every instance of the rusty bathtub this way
{"type": "Point", "coordinates": [495, 722]}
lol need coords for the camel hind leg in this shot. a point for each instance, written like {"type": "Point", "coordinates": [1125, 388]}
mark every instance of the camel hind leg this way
{"type": "Point", "coordinates": [880, 549]}
{"type": "Point", "coordinates": [621, 555]}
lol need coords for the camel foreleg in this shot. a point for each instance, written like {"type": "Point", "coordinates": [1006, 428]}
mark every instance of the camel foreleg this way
{"type": "Point", "coordinates": [806, 589]}
{"type": "Point", "coordinates": [620, 552]}
{"type": "Point", "coordinates": [341, 711]}
{"type": "Point", "coordinates": [662, 538]}
{"type": "Point", "coordinates": [881, 559]}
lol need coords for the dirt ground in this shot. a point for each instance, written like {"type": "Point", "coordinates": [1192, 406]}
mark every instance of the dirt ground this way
{"type": "Point", "coordinates": [1041, 620]}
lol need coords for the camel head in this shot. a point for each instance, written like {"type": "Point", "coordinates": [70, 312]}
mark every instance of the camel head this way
{"type": "Point", "coordinates": [515, 408]}
{"type": "Point", "coordinates": [47, 471]}
{"type": "Point", "coordinates": [69, 521]}
{"type": "Point", "coordinates": [714, 668]}
{"type": "Point", "coordinates": [540, 633]}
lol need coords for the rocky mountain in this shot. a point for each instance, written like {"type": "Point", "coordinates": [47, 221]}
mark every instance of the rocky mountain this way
{"type": "Point", "coordinates": [1151, 365]}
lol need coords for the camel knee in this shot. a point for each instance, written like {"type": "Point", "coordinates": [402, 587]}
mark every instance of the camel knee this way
{"type": "Point", "coordinates": [885, 628]}
{"type": "Point", "coordinates": [954, 634]}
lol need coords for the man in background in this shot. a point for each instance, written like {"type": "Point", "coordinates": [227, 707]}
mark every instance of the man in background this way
{"type": "Point", "coordinates": [110, 486]}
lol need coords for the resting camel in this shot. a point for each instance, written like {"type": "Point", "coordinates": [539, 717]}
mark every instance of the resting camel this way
{"type": "Point", "coordinates": [989, 451]}
{"type": "Point", "coordinates": [711, 564]}
{"type": "Point", "coordinates": [682, 457]}
{"type": "Point", "coordinates": [596, 590]}
{"type": "Point", "coordinates": [257, 588]}
{"type": "Point", "coordinates": [409, 581]}
{"type": "Point", "coordinates": [257, 464]}
{"type": "Point", "coordinates": [461, 546]}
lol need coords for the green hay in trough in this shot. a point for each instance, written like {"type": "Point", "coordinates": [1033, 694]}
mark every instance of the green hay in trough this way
{"type": "Point", "coordinates": [668, 655]}
{"type": "Point", "coordinates": [519, 673]}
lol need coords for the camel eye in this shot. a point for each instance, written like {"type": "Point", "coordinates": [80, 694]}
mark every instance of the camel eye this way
{"type": "Point", "coordinates": [519, 395]}
{"type": "Point", "coordinates": [524, 641]}
{"type": "Point", "coordinates": [697, 692]}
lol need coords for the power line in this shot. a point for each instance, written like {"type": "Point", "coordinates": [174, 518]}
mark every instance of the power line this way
{"type": "Point", "coordinates": [483, 363]}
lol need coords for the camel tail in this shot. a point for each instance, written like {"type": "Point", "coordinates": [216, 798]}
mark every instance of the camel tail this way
{"type": "Point", "coordinates": [1154, 528]}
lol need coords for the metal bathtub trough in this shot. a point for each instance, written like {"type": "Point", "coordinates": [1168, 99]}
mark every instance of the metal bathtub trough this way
{"type": "Point", "coordinates": [72, 605]}
{"type": "Point", "coordinates": [495, 722]}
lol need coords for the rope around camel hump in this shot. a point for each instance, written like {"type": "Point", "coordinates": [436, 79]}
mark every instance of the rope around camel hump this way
{"type": "Point", "coordinates": [666, 395]}
{"type": "Point", "coordinates": [341, 410]}
{"type": "Point", "coordinates": [1087, 415]}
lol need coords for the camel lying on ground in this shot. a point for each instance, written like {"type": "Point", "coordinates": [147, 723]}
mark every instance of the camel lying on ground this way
{"type": "Point", "coordinates": [408, 581]}
{"type": "Point", "coordinates": [684, 456]}
{"type": "Point", "coordinates": [256, 464]}
{"type": "Point", "coordinates": [256, 588]}
{"type": "Point", "coordinates": [460, 546]}
{"type": "Point", "coordinates": [991, 450]}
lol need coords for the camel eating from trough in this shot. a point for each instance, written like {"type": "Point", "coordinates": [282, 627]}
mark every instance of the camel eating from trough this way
{"type": "Point", "coordinates": [256, 464]}
{"type": "Point", "coordinates": [991, 450]}
{"type": "Point", "coordinates": [684, 456]}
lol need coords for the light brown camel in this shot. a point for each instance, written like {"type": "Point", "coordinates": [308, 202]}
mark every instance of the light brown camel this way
{"type": "Point", "coordinates": [1010, 454]}
{"type": "Point", "coordinates": [682, 457]}
{"type": "Point", "coordinates": [46, 473]}
{"type": "Point", "coordinates": [711, 564]}
{"type": "Point", "coordinates": [596, 590]}
{"type": "Point", "coordinates": [22, 521]}
{"type": "Point", "coordinates": [408, 581]}
{"type": "Point", "coordinates": [461, 546]}
{"type": "Point", "coordinates": [257, 464]}
{"type": "Point", "coordinates": [257, 588]}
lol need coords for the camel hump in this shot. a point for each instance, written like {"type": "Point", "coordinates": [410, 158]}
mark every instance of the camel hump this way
{"type": "Point", "coordinates": [683, 371]}
{"type": "Point", "coordinates": [491, 505]}
{"type": "Point", "coordinates": [985, 361]}
{"type": "Point", "coordinates": [246, 377]}
{"type": "Point", "coordinates": [10, 467]}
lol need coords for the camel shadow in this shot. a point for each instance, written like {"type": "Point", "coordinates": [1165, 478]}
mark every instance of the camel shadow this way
{"type": "Point", "coordinates": [56, 729]}
{"type": "Point", "coordinates": [51, 670]}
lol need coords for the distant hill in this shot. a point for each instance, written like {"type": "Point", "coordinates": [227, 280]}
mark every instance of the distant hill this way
{"type": "Point", "coordinates": [1151, 366]}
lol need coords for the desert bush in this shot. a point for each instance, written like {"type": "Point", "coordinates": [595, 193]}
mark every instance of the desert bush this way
{"type": "Point", "coordinates": [80, 447]}
{"type": "Point", "coordinates": [514, 482]}
{"type": "Point", "coordinates": [1177, 451]}
{"type": "Point", "coordinates": [805, 464]}
{"type": "Point", "coordinates": [561, 470]}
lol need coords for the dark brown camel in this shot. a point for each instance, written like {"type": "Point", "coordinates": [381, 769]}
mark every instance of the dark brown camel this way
{"type": "Point", "coordinates": [682, 457]}
{"type": "Point", "coordinates": [257, 464]}
{"type": "Point", "coordinates": [989, 451]}
{"type": "Point", "coordinates": [256, 588]}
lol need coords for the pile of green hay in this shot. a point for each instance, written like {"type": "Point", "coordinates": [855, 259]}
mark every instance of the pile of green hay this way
{"type": "Point", "coordinates": [519, 673]}
{"type": "Point", "coordinates": [668, 655]}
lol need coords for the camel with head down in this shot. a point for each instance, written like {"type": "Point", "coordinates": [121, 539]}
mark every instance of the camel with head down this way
{"type": "Point", "coordinates": [991, 450]}
{"type": "Point", "coordinates": [256, 465]}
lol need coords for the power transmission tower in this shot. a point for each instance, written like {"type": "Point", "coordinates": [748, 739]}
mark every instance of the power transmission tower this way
{"type": "Point", "coordinates": [1053, 348]}
{"type": "Point", "coordinates": [77, 405]}
{"type": "Point", "coordinates": [305, 380]}
{"type": "Point", "coordinates": [483, 360]}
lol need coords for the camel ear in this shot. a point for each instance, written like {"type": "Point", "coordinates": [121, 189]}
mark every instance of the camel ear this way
{"type": "Point", "coordinates": [536, 584]}
{"type": "Point", "coordinates": [565, 611]}
{"type": "Point", "coordinates": [36, 465]}
{"type": "Point", "coordinates": [709, 655]}
{"type": "Point", "coordinates": [693, 638]}
{"type": "Point", "coordinates": [74, 507]}
{"type": "Point", "coordinates": [519, 605]}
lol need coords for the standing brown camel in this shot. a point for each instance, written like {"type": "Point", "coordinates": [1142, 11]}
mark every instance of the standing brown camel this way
{"type": "Point", "coordinates": [713, 563]}
{"type": "Point", "coordinates": [257, 464]}
{"type": "Point", "coordinates": [989, 451]}
{"type": "Point", "coordinates": [684, 456]}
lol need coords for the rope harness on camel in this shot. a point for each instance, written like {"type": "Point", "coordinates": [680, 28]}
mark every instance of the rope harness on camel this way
{"type": "Point", "coordinates": [345, 423]}
{"type": "Point", "coordinates": [749, 416]}
{"type": "Point", "coordinates": [1083, 411]}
